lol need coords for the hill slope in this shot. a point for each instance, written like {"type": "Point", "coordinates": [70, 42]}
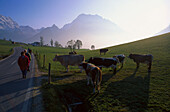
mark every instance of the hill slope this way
{"type": "Point", "coordinates": [166, 30]}
{"type": "Point", "coordinates": [130, 89]}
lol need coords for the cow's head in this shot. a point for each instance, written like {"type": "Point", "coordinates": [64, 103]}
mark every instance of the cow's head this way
{"type": "Point", "coordinates": [130, 56]}
{"type": "Point", "coordinates": [55, 58]}
{"type": "Point", "coordinates": [90, 60]}
{"type": "Point", "coordinates": [83, 65]}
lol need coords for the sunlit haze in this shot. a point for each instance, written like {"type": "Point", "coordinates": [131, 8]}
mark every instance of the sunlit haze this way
{"type": "Point", "coordinates": [140, 18]}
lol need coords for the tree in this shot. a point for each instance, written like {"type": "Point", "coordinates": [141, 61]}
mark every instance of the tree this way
{"type": "Point", "coordinates": [92, 47]}
{"type": "Point", "coordinates": [71, 44]}
{"type": "Point", "coordinates": [41, 41]}
{"type": "Point", "coordinates": [57, 44]}
{"type": "Point", "coordinates": [51, 42]}
{"type": "Point", "coordinates": [78, 44]}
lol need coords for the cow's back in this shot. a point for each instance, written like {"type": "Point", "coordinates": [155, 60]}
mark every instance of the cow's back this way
{"type": "Point", "coordinates": [107, 62]}
{"type": "Point", "coordinates": [143, 58]}
{"type": "Point", "coordinates": [74, 59]}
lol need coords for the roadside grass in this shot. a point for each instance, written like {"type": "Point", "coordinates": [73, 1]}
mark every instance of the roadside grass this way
{"type": "Point", "coordinates": [6, 48]}
{"type": "Point", "coordinates": [130, 89]}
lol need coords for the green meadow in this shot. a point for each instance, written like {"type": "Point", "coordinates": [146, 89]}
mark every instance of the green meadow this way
{"type": "Point", "coordinates": [6, 48]}
{"type": "Point", "coordinates": [129, 90]}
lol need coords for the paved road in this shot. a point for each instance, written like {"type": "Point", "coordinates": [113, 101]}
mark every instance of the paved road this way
{"type": "Point", "coordinates": [15, 92]}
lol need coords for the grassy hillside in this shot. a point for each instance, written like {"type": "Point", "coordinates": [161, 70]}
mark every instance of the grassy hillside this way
{"type": "Point", "coordinates": [5, 48]}
{"type": "Point", "coordinates": [130, 89]}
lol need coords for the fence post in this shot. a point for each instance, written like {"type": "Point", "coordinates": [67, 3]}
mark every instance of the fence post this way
{"type": "Point", "coordinates": [49, 75]}
{"type": "Point", "coordinates": [44, 62]}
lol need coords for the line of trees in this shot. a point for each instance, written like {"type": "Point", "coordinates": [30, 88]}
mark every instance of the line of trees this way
{"type": "Point", "coordinates": [72, 44]}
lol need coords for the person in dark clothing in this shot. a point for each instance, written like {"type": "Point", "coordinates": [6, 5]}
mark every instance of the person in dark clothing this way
{"type": "Point", "coordinates": [23, 63]}
{"type": "Point", "coordinates": [29, 57]}
{"type": "Point", "coordinates": [29, 50]}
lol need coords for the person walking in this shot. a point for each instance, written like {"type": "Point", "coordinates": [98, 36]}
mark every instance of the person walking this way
{"type": "Point", "coordinates": [23, 63]}
{"type": "Point", "coordinates": [29, 57]}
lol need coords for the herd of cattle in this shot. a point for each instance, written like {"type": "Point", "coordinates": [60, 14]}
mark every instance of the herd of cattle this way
{"type": "Point", "coordinates": [95, 64]}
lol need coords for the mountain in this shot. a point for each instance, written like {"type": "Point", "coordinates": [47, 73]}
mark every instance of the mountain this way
{"type": "Point", "coordinates": [10, 29]}
{"type": "Point", "coordinates": [7, 23]}
{"type": "Point", "coordinates": [47, 34]}
{"type": "Point", "coordinates": [166, 30]}
{"type": "Point", "coordinates": [28, 31]}
{"type": "Point", "coordinates": [90, 29]}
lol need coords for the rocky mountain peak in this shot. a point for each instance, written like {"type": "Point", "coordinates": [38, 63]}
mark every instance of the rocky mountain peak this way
{"type": "Point", "coordinates": [7, 23]}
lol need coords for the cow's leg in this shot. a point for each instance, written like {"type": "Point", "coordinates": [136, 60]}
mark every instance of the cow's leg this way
{"type": "Point", "coordinates": [114, 69]}
{"type": "Point", "coordinates": [81, 68]}
{"type": "Point", "coordinates": [67, 68]}
{"type": "Point", "coordinates": [98, 84]}
{"type": "Point", "coordinates": [93, 79]}
{"type": "Point", "coordinates": [137, 64]}
{"type": "Point", "coordinates": [94, 86]}
{"type": "Point", "coordinates": [88, 78]}
{"type": "Point", "coordinates": [149, 67]}
{"type": "Point", "coordinates": [122, 64]}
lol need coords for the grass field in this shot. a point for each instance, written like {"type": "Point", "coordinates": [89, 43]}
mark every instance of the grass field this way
{"type": "Point", "coordinates": [6, 48]}
{"type": "Point", "coordinates": [130, 90]}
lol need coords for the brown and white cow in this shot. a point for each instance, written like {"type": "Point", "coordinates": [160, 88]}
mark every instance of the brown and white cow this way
{"type": "Point", "coordinates": [142, 59]}
{"type": "Point", "coordinates": [67, 60]}
{"type": "Point", "coordinates": [121, 58]}
{"type": "Point", "coordinates": [103, 51]}
{"type": "Point", "coordinates": [104, 62]}
{"type": "Point", "coordinates": [94, 74]}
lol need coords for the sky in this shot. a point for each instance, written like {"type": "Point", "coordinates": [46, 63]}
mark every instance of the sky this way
{"type": "Point", "coordinates": [140, 17]}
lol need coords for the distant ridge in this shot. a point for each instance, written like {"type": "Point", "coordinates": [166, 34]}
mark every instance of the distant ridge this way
{"type": "Point", "coordinates": [166, 30]}
{"type": "Point", "coordinates": [90, 29]}
{"type": "Point", "coordinates": [87, 28]}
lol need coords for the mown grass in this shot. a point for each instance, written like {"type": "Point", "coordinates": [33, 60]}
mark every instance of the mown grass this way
{"type": "Point", "coordinates": [6, 48]}
{"type": "Point", "coordinates": [130, 89]}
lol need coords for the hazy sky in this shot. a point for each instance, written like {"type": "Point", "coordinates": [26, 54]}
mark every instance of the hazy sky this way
{"type": "Point", "coordinates": [142, 17]}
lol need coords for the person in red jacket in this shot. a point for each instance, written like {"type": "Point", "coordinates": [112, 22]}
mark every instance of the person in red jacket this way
{"type": "Point", "coordinates": [23, 62]}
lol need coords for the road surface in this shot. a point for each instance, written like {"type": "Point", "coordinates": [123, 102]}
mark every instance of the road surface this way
{"type": "Point", "coordinates": [15, 92]}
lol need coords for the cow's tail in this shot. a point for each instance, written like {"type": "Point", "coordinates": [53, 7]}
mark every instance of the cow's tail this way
{"type": "Point", "coordinates": [100, 76]}
{"type": "Point", "coordinates": [99, 79]}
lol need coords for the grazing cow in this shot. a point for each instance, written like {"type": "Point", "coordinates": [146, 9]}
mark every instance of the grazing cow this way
{"type": "Point", "coordinates": [67, 60]}
{"type": "Point", "coordinates": [103, 51]}
{"type": "Point", "coordinates": [94, 73]}
{"type": "Point", "coordinates": [104, 62]}
{"type": "Point", "coordinates": [142, 59]}
{"type": "Point", "coordinates": [121, 58]}
{"type": "Point", "coordinates": [74, 52]}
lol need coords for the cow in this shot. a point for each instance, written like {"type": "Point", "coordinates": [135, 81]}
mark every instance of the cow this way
{"type": "Point", "coordinates": [67, 60]}
{"type": "Point", "coordinates": [142, 59]}
{"type": "Point", "coordinates": [121, 58]}
{"type": "Point", "coordinates": [94, 74]}
{"type": "Point", "coordinates": [104, 62]}
{"type": "Point", "coordinates": [103, 51]}
{"type": "Point", "coordinates": [74, 52]}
